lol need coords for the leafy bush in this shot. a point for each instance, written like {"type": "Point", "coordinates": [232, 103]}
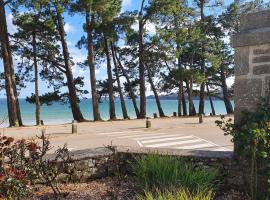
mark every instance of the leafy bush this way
{"type": "Point", "coordinates": [181, 194]}
{"type": "Point", "coordinates": [165, 172]}
{"type": "Point", "coordinates": [252, 136]}
{"type": "Point", "coordinates": [16, 174]}
{"type": "Point", "coordinates": [23, 164]}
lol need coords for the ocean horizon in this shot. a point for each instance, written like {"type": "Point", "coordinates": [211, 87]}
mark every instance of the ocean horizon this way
{"type": "Point", "coordinates": [59, 113]}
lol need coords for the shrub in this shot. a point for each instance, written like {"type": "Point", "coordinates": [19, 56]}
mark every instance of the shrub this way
{"type": "Point", "coordinates": [181, 194]}
{"type": "Point", "coordinates": [165, 172]}
{"type": "Point", "coordinates": [252, 138]}
{"type": "Point", "coordinates": [23, 164]}
{"type": "Point", "coordinates": [16, 173]}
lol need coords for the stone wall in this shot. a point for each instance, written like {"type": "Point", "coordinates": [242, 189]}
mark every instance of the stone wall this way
{"type": "Point", "coordinates": [252, 75]}
{"type": "Point", "coordinates": [102, 162]}
{"type": "Point", "coordinates": [252, 61]}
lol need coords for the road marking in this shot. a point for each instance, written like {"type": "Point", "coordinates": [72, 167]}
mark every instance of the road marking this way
{"type": "Point", "coordinates": [141, 134]}
{"type": "Point", "coordinates": [173, 143]}
{"type": "Point", "coordinates": [226, 149]}
{"type": "Point", "coordinates": [156, 140]}
{"type": "Point", "coordinates": [115, 133]}
{"type": "Point", "coordinates": [196, 146]}
{"type": "Point", "coordinates": [157, 136]}
{"type": "Point", "coordinates": [166, 139]}
{"type": "Point", "coordinates": [221, 149]}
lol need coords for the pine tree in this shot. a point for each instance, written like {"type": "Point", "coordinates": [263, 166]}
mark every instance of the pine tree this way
{"type": "Point", "coordinates": [10, 82]}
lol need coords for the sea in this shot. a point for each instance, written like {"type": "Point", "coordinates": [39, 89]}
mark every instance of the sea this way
{"type": "Point", "coordinates": [59, 113]}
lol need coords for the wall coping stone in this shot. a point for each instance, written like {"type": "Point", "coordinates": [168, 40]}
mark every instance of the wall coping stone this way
{"type": "Point", "coordinates": [254, 29]}
{"type": "Point", "coordinates": [103, 151]}
{"type": "Point", "coordinates": [255, 20]}
{"type": "Point", "coordinates": [251, 38]}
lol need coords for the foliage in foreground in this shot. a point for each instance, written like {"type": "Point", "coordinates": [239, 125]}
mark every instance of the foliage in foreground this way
{"type": "Point", "coordinates": [165, 172]}
{"type": "Point", "coordinates": [23, 165]}
{"type": "Point", "coordinates": [252, 136]}
{"type": "Point", "coordinates": [180, 194]}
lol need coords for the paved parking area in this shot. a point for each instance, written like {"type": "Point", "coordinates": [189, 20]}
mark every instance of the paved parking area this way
{"type": "Point", "coordinates": [167, 133]}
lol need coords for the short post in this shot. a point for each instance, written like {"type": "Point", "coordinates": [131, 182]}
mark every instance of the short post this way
{"type": "Point", "coordinates": [74, 126]}
{"type": "Point", "coordinates": [200, 118]}
{"type": "Point", "coordinates": [155, 115]}
{"type": "Point", "coordinates": [41, 123]}
{"type": "Point", "coordinates": [148, 122]}
{"type": "Point", "coordinates": [175, 114]}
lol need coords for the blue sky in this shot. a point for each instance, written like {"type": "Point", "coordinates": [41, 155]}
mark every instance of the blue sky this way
{"type": "Point", "coordinates": [74, 31]}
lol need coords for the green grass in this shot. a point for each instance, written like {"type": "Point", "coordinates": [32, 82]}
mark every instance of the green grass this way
{"type": "Point", "coordinates": [180, 194]}
{"type": "Point", "coordinates": [167, 173]}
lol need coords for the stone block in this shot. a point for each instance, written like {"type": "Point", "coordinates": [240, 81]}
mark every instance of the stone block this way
{"type": "Point", "coordinates": [247, 93]}
{"type": "Point", "coordinates": [261, 59]}
{"type": "Point", "coordinates": [242, 61]}
{"type": "Point", "coordinates": [261, 69]}
{"type": "Point", "coordinates": [255, 20]}
{"type": "Point", "coordinates": [261, 51]}
{"type": "Point", "coordinates": [252, 38]}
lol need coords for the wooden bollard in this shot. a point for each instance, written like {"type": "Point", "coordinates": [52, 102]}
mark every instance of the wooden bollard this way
{"type": "Point", "coordinates": [74, 126]}
{"type": "Point", "coordinates": [155, 115]}
{"type": "Point", "coordinates": [200, 118]}
{"type": "Point", "coordinates": [41, 123]}
{"type": "Point", "coordinates": [175, 114]}
{"type": "Point", "coordinates": [148, 122]}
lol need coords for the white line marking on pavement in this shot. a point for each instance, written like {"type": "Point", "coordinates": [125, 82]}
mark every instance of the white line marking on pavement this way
{"type": "Point", "coordinates": [174, 143]}
{"type": "Point", "coordinates": [115, 133]}
{"type": "Point", "coordinates": [138, 135]}
{"type": "Point", "coordinates": [140, 144]}
{"type": "Point", "coordinates": [163, 135]}
{"type": "Point", "coordinates": [213, 143]}
{"type": "Point", "coordinates": [166, 139]}
{"type": "Point", "coordinates": [220, 149]}
{"type": "Point", "coordinates": [196, 146]}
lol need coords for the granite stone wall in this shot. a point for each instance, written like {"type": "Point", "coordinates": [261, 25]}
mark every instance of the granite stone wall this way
{"type": "Point", "coordinates": [252, 76]}
{"type": "Point", "coordinates": [252, 61]}
{"type": "Point", "coordinates": [103, 162]}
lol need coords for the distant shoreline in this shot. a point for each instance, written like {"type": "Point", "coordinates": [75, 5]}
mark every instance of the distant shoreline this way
{"type": "Point", "coordinates": [59, 113]}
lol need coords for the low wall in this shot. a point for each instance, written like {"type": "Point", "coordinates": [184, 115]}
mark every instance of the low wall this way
{"type": "Point", "coordinates": [102, 162]}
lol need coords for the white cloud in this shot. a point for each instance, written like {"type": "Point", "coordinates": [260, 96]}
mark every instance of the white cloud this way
{"type": "Point", "coordinates": [11, 27]}
{"type": "Point", "coordinates": [125, 5]}
{"type": "Point", "coordinates": [150, 27]}
{"type": "Point", "coordinates": [69, 28]}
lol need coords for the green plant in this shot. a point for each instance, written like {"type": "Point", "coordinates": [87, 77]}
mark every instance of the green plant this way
{"type": "Point", "coordinates": [16, 174]}
{"type": "Point", "coordinates": [181, 194]}
{"type": "Point", "coordinates": [252, 138]}
{"type": "Point", "coordinates": [24, 163]}
{"type": "Point", "coordinates": [165, 172]}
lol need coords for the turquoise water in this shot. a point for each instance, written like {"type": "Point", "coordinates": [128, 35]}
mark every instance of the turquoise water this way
{"type": "Point", "coordinates": [59, 113]}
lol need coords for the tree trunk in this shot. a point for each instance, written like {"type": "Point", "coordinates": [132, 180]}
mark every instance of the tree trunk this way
{"type": "Point", "coordinates": [91, 62]}
{"type": "Point", "coordinates": [110, 80]}
{"type": "Point", "coordinates": [226, 97]}
{"type": "Point", "coordinates": [122, 100]}
{"type": "Point", "coordinates": [75, 108]}
{"type": "Point", "coordinates": [10, 82]}
{"type": "Point", "coordinates": [184, 101]}
{"type": "Point", "coordinates": [191, 107]}
{"type": "Point", "coordinates": [160, 110]}
{"type": "Point", "coordinates": [132, 94]}
{"type": "Point", "coordinates": [211, 101]}
{"type": "Point", "coordinates": [37, 101]}
{"type": "Point", "coordinates": [202, 87]}
{"type": "Point", "coordinates": [142, 69]}
{"type": "Point", "coordinates": [180, 98]}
